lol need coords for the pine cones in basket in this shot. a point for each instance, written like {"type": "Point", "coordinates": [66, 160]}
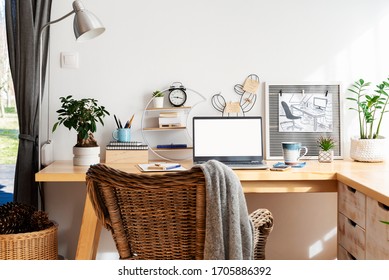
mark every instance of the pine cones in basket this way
{"type": "Point", "coordinates": [16, 217]}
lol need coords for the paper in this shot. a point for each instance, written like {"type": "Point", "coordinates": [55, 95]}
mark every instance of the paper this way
{"type": "Point", "coordinates": [232, 107]}
{"type": "Point", "coordinates": [251, 86]}
{"type": "Point", "coordinates": [160, 167]}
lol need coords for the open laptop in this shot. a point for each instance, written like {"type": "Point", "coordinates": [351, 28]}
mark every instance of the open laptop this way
{"type": "Point", "coordinates": [235, 141]}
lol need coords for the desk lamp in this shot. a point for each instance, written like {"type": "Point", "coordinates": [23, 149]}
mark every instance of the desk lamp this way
{"type": "Point", "coordinates": [86, 26]}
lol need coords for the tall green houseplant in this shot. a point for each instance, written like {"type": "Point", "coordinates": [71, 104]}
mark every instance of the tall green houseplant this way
{"type": "Point", "coordinates": [370, 107]}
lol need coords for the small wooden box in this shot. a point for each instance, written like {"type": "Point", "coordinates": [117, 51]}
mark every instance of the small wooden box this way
{"type": "Point", "coordinates": [127, 156]}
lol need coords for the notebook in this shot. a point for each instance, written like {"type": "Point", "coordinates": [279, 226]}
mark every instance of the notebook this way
{"type": "Point", "coordinates": [235, 141]}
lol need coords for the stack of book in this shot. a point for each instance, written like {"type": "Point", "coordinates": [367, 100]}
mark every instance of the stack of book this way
{"type": "Point", "coordinates": [133, 145]}
{"type": "Point", "coordinates": [171, 120]}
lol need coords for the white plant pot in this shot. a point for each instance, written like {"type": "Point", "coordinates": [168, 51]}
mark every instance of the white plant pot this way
{"type": "Point", "coordinates": [158, 102]}
{"type": "Point", "coordinates": [326, 156]}
{"type": "Point", "coordinates": [368, 150]}
{"type": "Point", "coordinates": [86, 155]}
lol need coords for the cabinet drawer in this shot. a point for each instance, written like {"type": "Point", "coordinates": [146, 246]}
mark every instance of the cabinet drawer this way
{"type": "Point", "coordinates": [352, 237]}
{"type": "Point", "coordinates": [352, 204]}
{"type": "Point", "coordinates": [377, 233]}
{"type": "Point", "coordinates": [343, 254]}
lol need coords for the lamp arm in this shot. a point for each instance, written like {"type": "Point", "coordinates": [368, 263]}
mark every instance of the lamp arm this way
{"type": "Point", "coordinates": [55, 21]}
{"type": "Point", "coordinates": [40, 81]}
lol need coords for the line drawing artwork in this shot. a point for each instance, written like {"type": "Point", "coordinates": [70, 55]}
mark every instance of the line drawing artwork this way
{"type": "Point", "coordinates": [299, 112]}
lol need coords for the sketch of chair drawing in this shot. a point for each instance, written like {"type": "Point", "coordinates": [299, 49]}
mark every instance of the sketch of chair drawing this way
{"type": "Point", "coordinates": [291, 118]}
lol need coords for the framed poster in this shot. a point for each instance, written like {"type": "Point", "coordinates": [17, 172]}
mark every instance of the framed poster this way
{"type": "Point", "coordinates": [302, 112]}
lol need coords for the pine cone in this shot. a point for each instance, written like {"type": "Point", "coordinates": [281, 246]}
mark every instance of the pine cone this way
{"type": "Point", "coordinates": [40, 221]}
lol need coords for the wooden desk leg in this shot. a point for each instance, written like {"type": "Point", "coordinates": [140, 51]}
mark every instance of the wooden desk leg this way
{"type": "Point", "coordinates": [89, 237]}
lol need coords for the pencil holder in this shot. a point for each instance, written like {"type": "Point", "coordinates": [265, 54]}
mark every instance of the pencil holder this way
{"type": "Point", "coordinates": [122, 134]}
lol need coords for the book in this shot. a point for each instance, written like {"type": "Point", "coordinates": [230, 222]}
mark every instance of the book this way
{"type": "Point", "coordinates": [168, 114]}
{"type": "Point", "coordinates": [172, 146]}
{"type": "Point", "coordinates": [133, 145]}
{"type": "Point", "coordinates": [160, 167]}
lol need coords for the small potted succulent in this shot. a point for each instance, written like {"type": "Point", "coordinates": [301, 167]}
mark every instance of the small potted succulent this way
{"type": "Point", "coordinates": [326, 144]}
{"type": "Point", "coordinates": [82, 115]}
{"type": "Point", "coordinates": [158, 98]}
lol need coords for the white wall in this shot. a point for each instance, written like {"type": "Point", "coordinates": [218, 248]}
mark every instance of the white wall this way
{"type": "Point", "coordinates": [210, 46]}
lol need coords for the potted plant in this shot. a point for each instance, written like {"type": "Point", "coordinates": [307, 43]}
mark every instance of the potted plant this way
{"type": "Point", "coordinates": [369, 146]}
{"type": "Point", "coordinates": [158, 99]}
{"type": "Point", "coordinates": [326, 144]}
{"type": "Point", "coordinates": [82, 115]}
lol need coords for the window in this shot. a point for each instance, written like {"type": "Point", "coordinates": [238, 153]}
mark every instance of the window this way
{"type": "Point", "coordinates": [9, 128]}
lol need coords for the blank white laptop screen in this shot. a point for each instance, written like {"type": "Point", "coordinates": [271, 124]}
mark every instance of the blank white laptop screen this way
{"type": "Point", "coordinates": [237, 139]}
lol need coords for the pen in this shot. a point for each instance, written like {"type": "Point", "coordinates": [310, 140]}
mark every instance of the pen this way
{"type": "Point", "coordinates": [116, 120]}
{"type": "Point", "coordinates": [172, 167]}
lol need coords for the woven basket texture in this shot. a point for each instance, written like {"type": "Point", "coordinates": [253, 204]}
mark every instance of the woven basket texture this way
{"type": "Point", "coordinates": [38, 245]}
{"type": "Point", "coordinates": [368, 150]}
{"type": "Point", "coordinates": [152, 216]}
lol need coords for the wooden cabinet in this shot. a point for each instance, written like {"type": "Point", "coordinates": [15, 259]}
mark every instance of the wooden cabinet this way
{"type": "Point", "coordinates": [351, 223]}
{"type": "Point", "coordinates": [377, 233]}
{"type": "Point", "coordinates": [361, 235]}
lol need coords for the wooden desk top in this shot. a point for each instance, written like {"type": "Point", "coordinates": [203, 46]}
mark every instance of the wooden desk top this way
{"type": "Point", "coordinates": [369, 178]}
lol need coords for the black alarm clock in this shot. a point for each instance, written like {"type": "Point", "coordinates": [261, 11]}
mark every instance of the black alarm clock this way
{"type": "Point", "coordinates": [177, 94]}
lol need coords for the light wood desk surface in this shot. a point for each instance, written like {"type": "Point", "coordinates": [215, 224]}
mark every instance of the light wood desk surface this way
{"type": "Point", "coordinates": [371, 179]}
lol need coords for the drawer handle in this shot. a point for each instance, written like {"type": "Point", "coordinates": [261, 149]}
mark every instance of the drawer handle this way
{"type": "Point", "coordinates": [383, 206]}
{"type": "Point", "coordinates": [350, 189]}
{"type": "Point", "coordinates": [352, 223]}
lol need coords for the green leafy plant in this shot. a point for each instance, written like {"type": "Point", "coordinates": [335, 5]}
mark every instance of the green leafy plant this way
{"type": "Point", "coordinates": [370, 107]}
{"type": "Point", "coordinates": [81, 115]}
{"type": "Point", "coordinates": [385, 222]}
{"type": "Point", "coordinates": [326, 143]}
{"type": "Point", "coordinates": [158, 93]}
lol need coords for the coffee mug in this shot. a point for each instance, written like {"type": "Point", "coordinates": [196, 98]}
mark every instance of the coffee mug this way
{"type": "Point", "coordinates": [292, 152]}
{"type": "Point", "coordinates": [122, 134]}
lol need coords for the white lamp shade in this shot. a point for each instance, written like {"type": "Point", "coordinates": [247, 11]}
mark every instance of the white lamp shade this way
{"type": "Point", "coordinates": [86, 26]}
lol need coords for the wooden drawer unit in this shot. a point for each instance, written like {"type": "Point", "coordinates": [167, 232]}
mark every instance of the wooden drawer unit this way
{"type": "Point", "coordinates": [377, 233]}
{"type": "Point", "coordinates": [343, 254]}
{"type": "Point", "coordinates": [351, 237]}
{"type": "Point", "coordinates": [352, 204]}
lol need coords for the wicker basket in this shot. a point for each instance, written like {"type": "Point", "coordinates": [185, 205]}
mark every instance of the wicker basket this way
{"type": "Point", "coordinates": [38, 245]}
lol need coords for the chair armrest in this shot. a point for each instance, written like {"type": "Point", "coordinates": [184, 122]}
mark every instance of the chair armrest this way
{"type": "Point", "coordinates": [262, 220]}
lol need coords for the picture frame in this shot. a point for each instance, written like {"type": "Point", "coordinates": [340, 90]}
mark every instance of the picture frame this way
{"type": "Point", "coordinates": [302, 112]}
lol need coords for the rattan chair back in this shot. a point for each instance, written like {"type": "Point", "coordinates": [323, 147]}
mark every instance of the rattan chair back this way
{"type": "Point", "coordinates": [159, 216]}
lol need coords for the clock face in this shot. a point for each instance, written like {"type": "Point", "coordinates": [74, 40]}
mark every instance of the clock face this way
{"type": "Point", "coordinates": [177, 97]}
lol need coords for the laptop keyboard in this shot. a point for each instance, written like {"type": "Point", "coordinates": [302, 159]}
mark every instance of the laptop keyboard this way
{"type": "Point", "coordinates": [245, 164]}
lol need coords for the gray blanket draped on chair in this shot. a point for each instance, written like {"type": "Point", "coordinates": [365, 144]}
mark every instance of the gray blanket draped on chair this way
{"type": "Point", "coordinates": [229, 231]}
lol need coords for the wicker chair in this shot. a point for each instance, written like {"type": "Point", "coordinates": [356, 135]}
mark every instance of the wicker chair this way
{"type": "Point", "coordinates": [159, 216]}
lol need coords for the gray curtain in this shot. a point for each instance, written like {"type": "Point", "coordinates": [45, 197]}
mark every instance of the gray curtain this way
{"type": "Point", "coordinates": [24, 19]}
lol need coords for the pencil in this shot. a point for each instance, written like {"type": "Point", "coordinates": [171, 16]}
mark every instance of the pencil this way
{"type": "Point", "coordinates": [132, 118]}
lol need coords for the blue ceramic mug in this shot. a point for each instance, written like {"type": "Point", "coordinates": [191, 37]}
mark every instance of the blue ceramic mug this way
{"type": "Point", "coordinates": [292, 152]}
{"type": "Point", "coordinates": [122, 134]}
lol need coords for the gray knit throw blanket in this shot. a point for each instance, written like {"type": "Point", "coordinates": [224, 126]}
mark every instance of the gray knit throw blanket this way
{"type": "Point", "coordinates": [228, 230]}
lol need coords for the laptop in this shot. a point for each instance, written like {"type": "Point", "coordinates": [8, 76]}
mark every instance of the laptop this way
{"type": "Point", "coordinates": [234, 141]}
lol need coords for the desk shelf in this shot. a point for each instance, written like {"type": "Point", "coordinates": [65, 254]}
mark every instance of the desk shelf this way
{"type": "Point", "coordinates": [154, 135]}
